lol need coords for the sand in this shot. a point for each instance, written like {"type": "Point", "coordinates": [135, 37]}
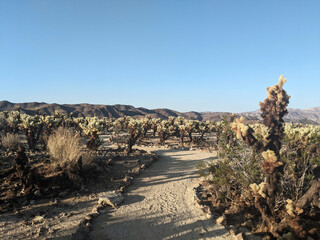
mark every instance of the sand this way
{"type": "Point", "coordinates": [160, 204]}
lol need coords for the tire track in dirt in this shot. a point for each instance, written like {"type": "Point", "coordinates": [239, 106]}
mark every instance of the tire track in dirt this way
{"type": "Point", "coordinates": [160, 205]}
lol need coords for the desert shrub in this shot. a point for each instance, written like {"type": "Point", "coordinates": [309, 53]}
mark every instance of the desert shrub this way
{"type": "Point", "coordinates": [233, 174]}
{"type": "Point", "coordinates": [10, 141]}
{"type": "Point", "coordinates": [64, 146]}
{"type": "Point", "coordinates": [66, 151]}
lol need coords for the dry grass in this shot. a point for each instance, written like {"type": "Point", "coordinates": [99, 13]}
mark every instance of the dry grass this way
{"type": "Point", "coordinates": [65, 149]}
{"type": "Point", "coordinates": [10, 141]}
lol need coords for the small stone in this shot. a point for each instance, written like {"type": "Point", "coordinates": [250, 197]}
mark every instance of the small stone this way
{"type": "Point", "coordinates": [62, 214]}
{"type": "Point", "coordinates": [37, 219]}
{"type": "Point", "coordinates": [95, 211]}
{"type": "Point", "coordinates": [143, 166]}
{"type": "Point", "coordinates": [127, 179]}
{"type": "Point", "coordinates": [111, 198]}
{"type": "Point", "coordinates": [240, 236]}
{"type": "Point", "coordinates": [221, 220]}
{"type": "Point", "coordinates": [32, 202]}
{"type": "Point", "coordinates": [136, 171]}
{"type": "Point", "coordinates": [232, 232]}
{"type": "Point", "coordinates": [69, 214]}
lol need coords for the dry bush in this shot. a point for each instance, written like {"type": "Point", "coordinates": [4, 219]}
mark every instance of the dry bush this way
{"type": "Point", "coordinates": [65, 150]}
{"type": "Point", "coordinates": [10, 141]}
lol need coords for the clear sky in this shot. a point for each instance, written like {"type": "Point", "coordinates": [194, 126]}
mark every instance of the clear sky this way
{"type": "Point", "coordinates": [215, 55]}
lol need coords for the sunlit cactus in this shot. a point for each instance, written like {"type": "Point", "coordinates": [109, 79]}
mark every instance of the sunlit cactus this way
{"type": "Point", "coordinates": [182, 132]}
{"type": "Point", "coordinates": [13, 120]}
{"type": "Point", "coordinates": [92, 127]}
{"type": "Point", "coordinates": [191, 127]}
{"type": "Point", "coordinates": [146, 124]}
{"type": "Point", "coordinates": [163, 131]}
{"type": "Point", "coordinates": [135, 130]}
{"type": "Point", "coordinates": [154, 125]}
{"type": "Point", "coordinates": [273, 110]}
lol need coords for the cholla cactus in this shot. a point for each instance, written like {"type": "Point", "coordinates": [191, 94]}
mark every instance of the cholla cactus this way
{"type": "Point", "coordinates": [32, 126]}
{"type": "Point", "coordinates": [92, 127]}
{"type": "Point", "coordinates": [3, 122]}
{"type": "Point", "coordinates": [146, 124]}
{"type": "Point", "coordinates": [135, 130]}
{"type": "Point", "coordinates": [273, 110]}
{"type": "Point", "coordinates": [191, 126]}
{"type": "Point", "coordinates": [163, 130]}
{"type": "Point", "coordinates": [13, 121]}
{"type": "Point", "coordinates": [154, 125]}
{"type": "Point", "coordinates": [300, 136]}
{"type": "Point", "coordinates": [122, 123]}
{"type": "Point", "coordinates": [182, 132]}
{"type": "Point", "coordinates": [179, 120]}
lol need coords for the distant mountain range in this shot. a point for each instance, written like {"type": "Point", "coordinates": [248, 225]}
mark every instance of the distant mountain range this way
{"type": "Point", "coordinates": [311, 115]}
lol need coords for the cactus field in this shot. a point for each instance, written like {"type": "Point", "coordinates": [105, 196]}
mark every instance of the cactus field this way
{"type": "Point", "coordinates": [266, 178]}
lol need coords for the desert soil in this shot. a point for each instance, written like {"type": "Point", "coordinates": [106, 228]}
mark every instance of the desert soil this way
{"type": "Point", "coordinates": [160, 204]}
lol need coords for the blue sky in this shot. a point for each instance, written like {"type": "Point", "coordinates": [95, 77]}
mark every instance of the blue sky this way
{"type": "Point", "coordinates": [217, 55]}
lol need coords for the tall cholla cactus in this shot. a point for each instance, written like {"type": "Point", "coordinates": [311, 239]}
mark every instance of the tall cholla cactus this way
{"type": "Point", "coordinates": [92, 127]}
{"type": "Point", "coordinates": [154, 125]}
{"type": "Point", "coordinates": [191, 126]}
{"type": "Point", "coordinates": [32, 126]}
{"type": "Point", "coordinates": [182, 132]}
{"type": "Point", "coordinates": [14, 121]}
{"type": "Point", "coordinates": [273, 110]}
{"type": "Point", "coordinates": [3, 123]}
{"type": "Point", "coordinates": [146, 124]}
{"type": "Point", "coordinates": [122, 123]}
{"type": "Point", "coordinates": [135, 131]}
{"type": "Point", "coordinates": [163, 131]}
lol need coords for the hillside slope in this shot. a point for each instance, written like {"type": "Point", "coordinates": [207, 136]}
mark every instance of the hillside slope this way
{"type": "Point", "coordinates": [311, 115]}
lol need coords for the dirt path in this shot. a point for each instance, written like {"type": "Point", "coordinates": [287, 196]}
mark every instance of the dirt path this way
{"type": "Point", "coordinates": [160, 205]}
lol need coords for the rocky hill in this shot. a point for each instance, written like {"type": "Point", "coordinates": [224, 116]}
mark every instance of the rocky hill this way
{"type": "Point", "coordinates": [80, 110]}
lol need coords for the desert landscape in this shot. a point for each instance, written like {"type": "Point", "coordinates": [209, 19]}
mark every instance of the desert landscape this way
{"type": "Point", "coordinates": [159, 120]}
{"type": "Point", "coordinates": [66, 177]}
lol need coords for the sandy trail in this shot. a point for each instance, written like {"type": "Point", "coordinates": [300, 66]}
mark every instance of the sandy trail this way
{"type": "Point", "coordinates": [160, 205]}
